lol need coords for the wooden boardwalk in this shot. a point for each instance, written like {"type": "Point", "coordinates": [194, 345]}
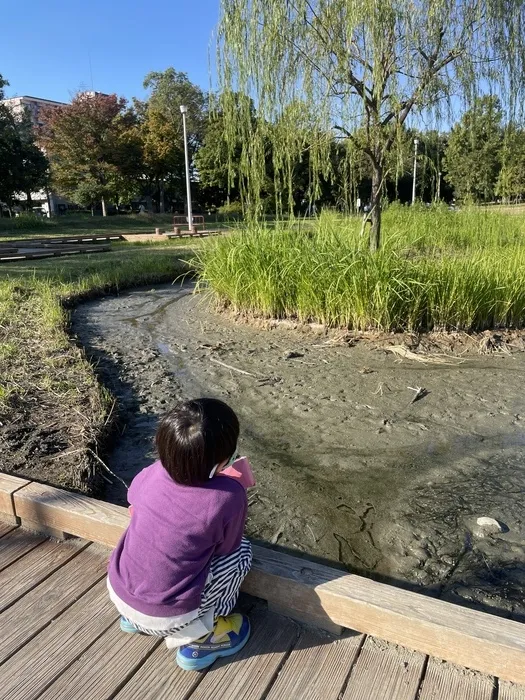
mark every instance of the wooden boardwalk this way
{"type": "Point", "coordinates": [60, 640]}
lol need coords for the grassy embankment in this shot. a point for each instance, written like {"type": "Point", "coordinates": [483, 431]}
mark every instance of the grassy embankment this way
{"type": "Point", "coordinates": [437, 269]}
{"type": "Point", "coordinates": [52, 409]}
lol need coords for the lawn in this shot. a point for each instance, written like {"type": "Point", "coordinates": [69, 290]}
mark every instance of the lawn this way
{"type": "Point", "coordinates": [437, 270]}
{"type": "Point", "coordinates": [79, 225]}
{"type": "Point", "coordinates": [53, 412]}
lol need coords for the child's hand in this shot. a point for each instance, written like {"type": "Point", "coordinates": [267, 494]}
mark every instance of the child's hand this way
{"type": "Point", "coordinates": [130, 509]}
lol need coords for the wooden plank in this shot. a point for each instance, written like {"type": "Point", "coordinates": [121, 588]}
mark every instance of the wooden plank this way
{"type": "Point", "coordinates": [104, 667]}
{"type": "Point", "coordinates": [510, 691]}
{"type": "Point", "coordinates": [249, 674]}
{"type": "Point", "coordinates": [159, 678]}
{"type": "Point", "coordinates": [46, 601]}
{"type": "Point", "coordinates": [34, 667]}
{"type": "Point", "coordinates": [6, 528]}
{"type": "Point", "coordinates": [16, 544]}
{"type": "Point", "coordinates": [8, 485]}
{"type": "Point", "coordinates": [322, 622]}
{"type": "Point", "coordinates": [33, 568]}
{"type": "Point", "coordinates": [444, 681]}
{"type": "Point", "coordinates": [490, 644]}
{"type": "Point", "coordinates": [72, 513]}
{"type": "Point", "coordinates": [487, 643]}
{"type": "Point", "coordinates": [385, 672]}
{"type": "Point", "coordinates": [317, 667]}
{"type": "Point", "coordinates": [44, 530]}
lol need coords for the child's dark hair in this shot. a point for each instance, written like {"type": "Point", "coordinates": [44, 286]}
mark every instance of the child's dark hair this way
{"type": "Point", "coordinates": [194, 437]}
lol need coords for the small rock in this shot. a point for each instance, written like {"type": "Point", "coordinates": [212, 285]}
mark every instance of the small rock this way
{"type": "Point", "coordinates": [293, 354]}
{"type": "Point", "coordinates": [488, 526]}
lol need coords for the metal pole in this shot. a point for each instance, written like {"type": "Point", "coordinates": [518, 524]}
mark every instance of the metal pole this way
{"type": "Point", "coordinates": [183, 109]}
{"type": "Point", "coordinates": [439, 187]}
{"type": "Point", "coordinates": [416, 142]}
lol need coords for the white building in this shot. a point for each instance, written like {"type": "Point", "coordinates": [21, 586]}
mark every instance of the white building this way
{"type": "Point", "coordinates": [33, 105]}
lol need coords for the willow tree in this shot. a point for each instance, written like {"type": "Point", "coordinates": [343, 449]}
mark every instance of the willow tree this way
{"type": "Point", "coordinates": [359, 66]}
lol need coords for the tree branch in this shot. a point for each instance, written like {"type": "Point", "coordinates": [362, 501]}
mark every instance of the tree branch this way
{"type": "Point", "coordinates": [352, 138]}
{"type": "Point", "coordinates": [432, 70]}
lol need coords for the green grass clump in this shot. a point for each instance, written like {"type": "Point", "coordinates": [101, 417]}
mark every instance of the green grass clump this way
{"type": "Point", "coordinates": [437, 269]}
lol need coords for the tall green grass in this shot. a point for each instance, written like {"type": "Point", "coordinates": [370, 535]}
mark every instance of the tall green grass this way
{"type": "Point", "coordinates": [437, 269]}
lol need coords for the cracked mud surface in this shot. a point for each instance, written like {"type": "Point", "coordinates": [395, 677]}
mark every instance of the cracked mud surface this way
{"type": "Point", "coordinates": [348, 467]}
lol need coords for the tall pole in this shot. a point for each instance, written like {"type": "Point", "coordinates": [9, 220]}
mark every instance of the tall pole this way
{"type": "Point", "coordinates": [439, 187]}
{"type": "Point", "coordinates": [183, 110]}
{"type": "Point", "coordinates": [416, 143]}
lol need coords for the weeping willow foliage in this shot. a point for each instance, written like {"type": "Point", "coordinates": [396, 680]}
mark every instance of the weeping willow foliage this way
{"type": "Point", "coordinates": [357, 69]}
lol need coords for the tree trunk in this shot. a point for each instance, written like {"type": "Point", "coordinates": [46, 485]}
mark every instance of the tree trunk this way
{"type": "Point", "coordinates": [29, 201]}
{"type": "Point", "coordinates": [375, 203]}
{"type": "Point", "coordinates": [103, 202]}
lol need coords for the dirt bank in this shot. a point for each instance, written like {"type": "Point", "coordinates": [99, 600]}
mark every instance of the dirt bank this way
{"type": "Point", "coordinates": [348, 466]}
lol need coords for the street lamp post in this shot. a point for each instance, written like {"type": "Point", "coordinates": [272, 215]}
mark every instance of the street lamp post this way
{"type": "Point", "coordinates": [183, 110]}
{"type": "Point", "coordinates": [416, 143]}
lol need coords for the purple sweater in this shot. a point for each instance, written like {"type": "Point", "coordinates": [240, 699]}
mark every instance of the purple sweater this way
{"type": "Point", "coordinates": [161, 563]}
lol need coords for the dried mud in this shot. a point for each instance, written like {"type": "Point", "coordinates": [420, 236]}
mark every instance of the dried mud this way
{"type": "Point", "coordinates": [349, 467]}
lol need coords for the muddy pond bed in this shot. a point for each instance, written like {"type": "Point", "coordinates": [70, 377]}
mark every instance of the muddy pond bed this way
{"type": "Point", "coordinates": [350, 468]}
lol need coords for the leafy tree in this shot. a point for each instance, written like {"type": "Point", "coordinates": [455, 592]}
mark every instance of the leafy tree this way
{"type": "Point", "coordinates": [23, 166]}
{"type": "Point", "coordinates": [33, 164]}
{"type": "Point", "coordinates": [473, 156]}
{"type": "Point", "coordinates": [213, 159]}
{"type": "Point", "coordinates": [367, 64]}
{"type": "Point", "coordinates": [161, 128]}
{"type": "Point", "coordinates": [511, 179]}
{"type": "Point", "coordinates": [89, 143]}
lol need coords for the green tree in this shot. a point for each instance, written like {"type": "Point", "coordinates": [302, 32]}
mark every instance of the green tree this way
{"type": "Point", "coordinates": [90, 143]}
{"type": "Point", "coordinates": [473, 155]}
{"type": "Point", "coordinates": [161, 128]}
{"type": "Point", "coordinates": [33, 164]}
{"type": "Point", "coordinates": [23, 166]}
{"type": "Point", "coordinates": [511, 179]}
{"type": "Point", "coordinates": [219, 166]}
{"type": "Point", "coordinates": [368, 64]}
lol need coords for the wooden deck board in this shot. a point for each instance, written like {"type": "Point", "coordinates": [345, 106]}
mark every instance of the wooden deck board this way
{"type": "Point", "coordinates": [103, 668]}
{"type": "Point", "coordinates": [385, 672]}
{"type": "Point", "coordinates": [467, 637]}
{"type": "Point", "coordinates": [43, 603]}
{"type": "Point", "coordinates": [34, 667]}
{"type": "Point", "coordinates": [8, 485]}
{"type": "Point", "coordinates": [69, 646]}
{"type": "Point", "coordinates": [492, 645]}
{"type": "Point", "coordinates": [159, 678]}
{"type": "Point", "coordinates": [248, 675]}
{"type": "Point", "coordinates": [317, 667]}
{"type": "Point", "coordinates": [6, 528]}
{"type": "Point", "coordinates": [444, 681]}
{"type": "Point", "coordinates": [71, 512]}
{"type": "Point", "coordinates": [509, 691]}
{"type": "Point", "coordinates": [18, 543]}
{"type": "Point", "coordinates": [34, 567]}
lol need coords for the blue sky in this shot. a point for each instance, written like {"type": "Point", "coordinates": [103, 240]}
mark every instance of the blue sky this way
{"type": "Point", "coordinates": [45, 47]}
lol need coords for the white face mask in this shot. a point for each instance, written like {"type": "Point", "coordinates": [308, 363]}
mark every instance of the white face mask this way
{"type": "Point", "coordinates": [232, 460]}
